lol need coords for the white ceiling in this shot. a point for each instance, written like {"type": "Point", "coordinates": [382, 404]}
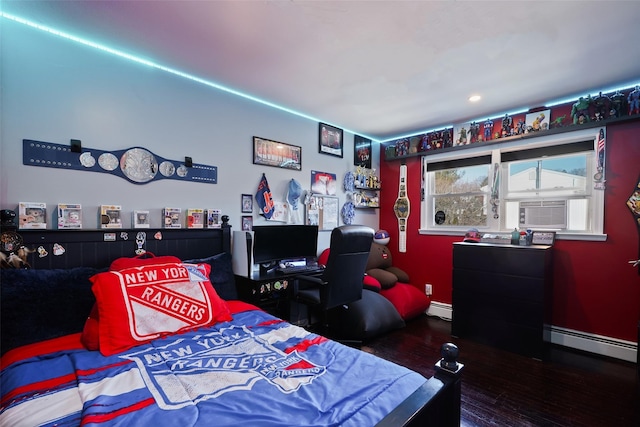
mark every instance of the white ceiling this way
{"type": "Point", "coordinates": [381, 69]}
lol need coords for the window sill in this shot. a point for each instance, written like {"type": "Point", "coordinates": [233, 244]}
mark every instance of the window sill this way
{"type": "Point", "coordinates": [586, 237]}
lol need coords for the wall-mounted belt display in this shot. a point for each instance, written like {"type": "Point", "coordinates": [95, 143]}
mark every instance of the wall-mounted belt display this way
{"type": "Point", "coordinates": [137, 165]}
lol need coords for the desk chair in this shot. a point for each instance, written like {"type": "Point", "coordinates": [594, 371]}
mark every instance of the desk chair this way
{"type": "Point", "coordinates": [341, 281]}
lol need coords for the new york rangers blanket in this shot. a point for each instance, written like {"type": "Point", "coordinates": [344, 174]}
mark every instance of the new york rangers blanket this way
{"type": "Point", "coordinates": [254, 370]}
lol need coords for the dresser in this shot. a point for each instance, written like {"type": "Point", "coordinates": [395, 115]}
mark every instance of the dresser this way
{"type": "Point", "coordinates": [502, 295]}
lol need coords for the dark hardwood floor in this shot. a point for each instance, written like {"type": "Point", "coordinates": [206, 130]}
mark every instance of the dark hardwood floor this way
{"type": "Point", "coordinates": [499, 388]}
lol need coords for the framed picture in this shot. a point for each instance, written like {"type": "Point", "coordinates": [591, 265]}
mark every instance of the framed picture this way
{"type": "Point", "coordinates": [247, 223]}
{"type": "Point", "coordinates": [361, 151]}
{"type": "Point", "coordinates": [323, 183]}
{"type": "Point", "coordinates": [330, 140]}
{"type": "Point", "coordinates": [536, 122]}
{"type": "Point", "coordinates": [247, 203]}
{"type": "Point", "coordinates": [276, 154]}
{"type": "Point", "coordinates": [543, 238]}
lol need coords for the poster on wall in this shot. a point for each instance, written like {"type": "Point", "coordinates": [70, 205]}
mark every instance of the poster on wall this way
{"type": "Point", "coordinates": [361, 151]}
{"type": "Point", "coordinates": [330, 140]}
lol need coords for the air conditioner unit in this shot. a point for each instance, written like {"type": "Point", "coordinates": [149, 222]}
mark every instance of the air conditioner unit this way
{"type": "Point", "coordinates": [543, 214]}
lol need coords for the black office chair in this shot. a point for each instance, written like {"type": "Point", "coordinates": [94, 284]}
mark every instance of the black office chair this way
{"type": "Point", "coordinates": [341, 281]}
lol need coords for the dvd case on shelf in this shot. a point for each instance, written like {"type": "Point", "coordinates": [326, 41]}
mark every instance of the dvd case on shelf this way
{"type": "Point", "coordinates": [140, 219]}
{"type": "Point", "coordinates": [171, 217]}
{"type": "Point", "coordinates": [69, 216]}
{"type": "Point", "coordinates": [213, 218]}
{"type": "Point", "coordinates": [32, 215]}
{"type": "Point", "coordinates": [195, 218]}
{"type": "Point", "coordinates": [109, 216]}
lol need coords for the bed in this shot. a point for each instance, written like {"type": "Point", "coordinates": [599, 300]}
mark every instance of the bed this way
{"type": "Point", "coordinates": [224, 362]}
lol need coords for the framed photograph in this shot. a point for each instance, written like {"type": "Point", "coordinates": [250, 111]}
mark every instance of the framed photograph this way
{"type": "Point", "coordinates": [276, 154]}
{"type": "Point", "coordinates": [361, 151]}
{"type": "Point", "coordinates": [247, 223]}
{"type": "Point", "coordinates": [330, 140]}
{"type": "Point", "coordinates": [543, 238]}
{"type": "Point", "coordinates": [247, 203]}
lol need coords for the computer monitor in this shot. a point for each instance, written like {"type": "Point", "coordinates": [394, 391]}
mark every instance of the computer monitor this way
{"type": "Point", "coordinates": [273, 243]}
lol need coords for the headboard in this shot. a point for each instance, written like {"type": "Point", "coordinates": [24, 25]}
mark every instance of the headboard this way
{"type": "Point", "coordinates": [53, 298]}
{"type": "Point", "coordinates": [98, 248]}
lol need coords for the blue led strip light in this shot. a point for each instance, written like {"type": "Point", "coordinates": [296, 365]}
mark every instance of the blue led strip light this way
{"type": "Point", "coordinates": [158, 66]}
{"type": "Point", "coordinates": [136, 164]}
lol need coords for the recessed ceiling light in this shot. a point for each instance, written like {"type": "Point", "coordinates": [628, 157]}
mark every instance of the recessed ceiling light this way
{"type": "Point", "coordinates": [475, 98]}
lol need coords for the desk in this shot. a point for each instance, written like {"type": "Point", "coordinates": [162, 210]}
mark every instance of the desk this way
{"type": "Point", "coordinates": [269, 291]}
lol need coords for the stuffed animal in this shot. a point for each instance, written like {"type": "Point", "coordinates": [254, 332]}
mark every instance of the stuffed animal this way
{"type": "Point", "coordinates": [394, 283]}
{"type": "Point", "coordinates": [380, 267]}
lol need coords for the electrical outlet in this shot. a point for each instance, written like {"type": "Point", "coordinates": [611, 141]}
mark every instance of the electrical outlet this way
{"type": "Point", "coordinates": [428, 289]}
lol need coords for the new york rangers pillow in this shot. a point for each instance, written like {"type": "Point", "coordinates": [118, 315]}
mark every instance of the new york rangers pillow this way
{"type": "Point", "coordinates": [140, 303]}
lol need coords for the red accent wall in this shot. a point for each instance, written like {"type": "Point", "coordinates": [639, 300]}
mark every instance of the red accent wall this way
{"type": "Point", "coordinates": [596, 290]}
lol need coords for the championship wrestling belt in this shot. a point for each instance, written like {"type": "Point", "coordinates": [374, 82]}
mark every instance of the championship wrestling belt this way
{"type": "Point", "coordinates": [401, 209]}
{"type": "Point", "coordinates": [136, 164]}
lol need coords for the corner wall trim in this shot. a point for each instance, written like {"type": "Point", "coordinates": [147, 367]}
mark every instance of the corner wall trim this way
{"type": "Point", "coordinates": [592, 343]}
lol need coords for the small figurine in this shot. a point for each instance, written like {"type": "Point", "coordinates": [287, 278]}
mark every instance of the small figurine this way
{"type": "Point", "coordinates": [488, 127]}
{"type": "Point", "coordinates": [435, 139]}
{"type": "Point", "coordinates": [507, 126]}
{"type": "Point", "coordinates": [580, 110]}
{"type": "Point", "coordinates": [474, 129]}
{"type": "Point", "coordinates": [557, 123]}
{"type": "Point", "coordinates": [601, 102]}
{"type": "Point", "coordinates": [446, 138]}
{"type": "Point", "coordinates": [618, 107]}
{"type": "Point", "coordinates": [424, 142]}
{"type": "Point", "coordinates": [402, 147]}
{"type": "Point", "coordinates": [634, 101]}
{"type": "Point", "coordinates": [462, 137]}
{"type": "Point", "coordinates": [520, 127]}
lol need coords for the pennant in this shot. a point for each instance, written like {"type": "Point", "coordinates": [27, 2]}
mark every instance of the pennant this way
{"type": "Point", "coordinates": [264, 198]}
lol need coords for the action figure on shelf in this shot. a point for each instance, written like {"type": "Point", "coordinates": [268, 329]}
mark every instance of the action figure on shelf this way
{"type": "Point", "coordinates": [557, 123]}
{"type": "Point", "coordinates": [424, 142]}
{"type": "Point", "coordinates": [446, 139]}
{"type": "Point", "coordinates": [601, 103]}
{"type": "Point", "coordinates": [402, 147]}
{"type": "Point", "coordinates": [618, 105]}
{"type": "Point", "coordinates": [634, 101]}
{"type": "Point", "coordinates": [488, 127]}
{"type": "Point", "coordinates": [474, 129]}
{"type": "Point", "coordinates": [507, 126]}
{"type": "Point", "coordinates": [520, 127]}
{"type": "Point", "coordinates": [580, 110]}
{"type": "Point", "coordinates": [462, 137]}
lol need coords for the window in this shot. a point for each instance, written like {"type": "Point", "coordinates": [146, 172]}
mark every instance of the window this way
{"type": "Point", "coordinates": [462, 193]}
{"type": "Point", "coordinates": [544, 183]}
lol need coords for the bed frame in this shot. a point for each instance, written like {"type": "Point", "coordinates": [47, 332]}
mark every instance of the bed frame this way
{"type": "Point", "coordinates": [436, 402]}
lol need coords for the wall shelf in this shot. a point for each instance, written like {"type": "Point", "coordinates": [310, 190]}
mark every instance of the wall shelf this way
{"type": "Point", "coordinates": [558, 130]}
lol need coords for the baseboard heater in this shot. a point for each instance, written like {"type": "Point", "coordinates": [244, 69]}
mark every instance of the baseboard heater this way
{"type": "Point", "coordinates": [592, 343]}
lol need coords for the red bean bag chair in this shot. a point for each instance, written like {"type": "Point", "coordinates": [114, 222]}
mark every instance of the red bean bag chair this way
{"type": "Point", "coordinates": [395, 284]}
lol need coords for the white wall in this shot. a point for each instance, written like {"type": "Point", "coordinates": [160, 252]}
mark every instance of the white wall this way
{"type": "Point", "coordinates": [55, 90]}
